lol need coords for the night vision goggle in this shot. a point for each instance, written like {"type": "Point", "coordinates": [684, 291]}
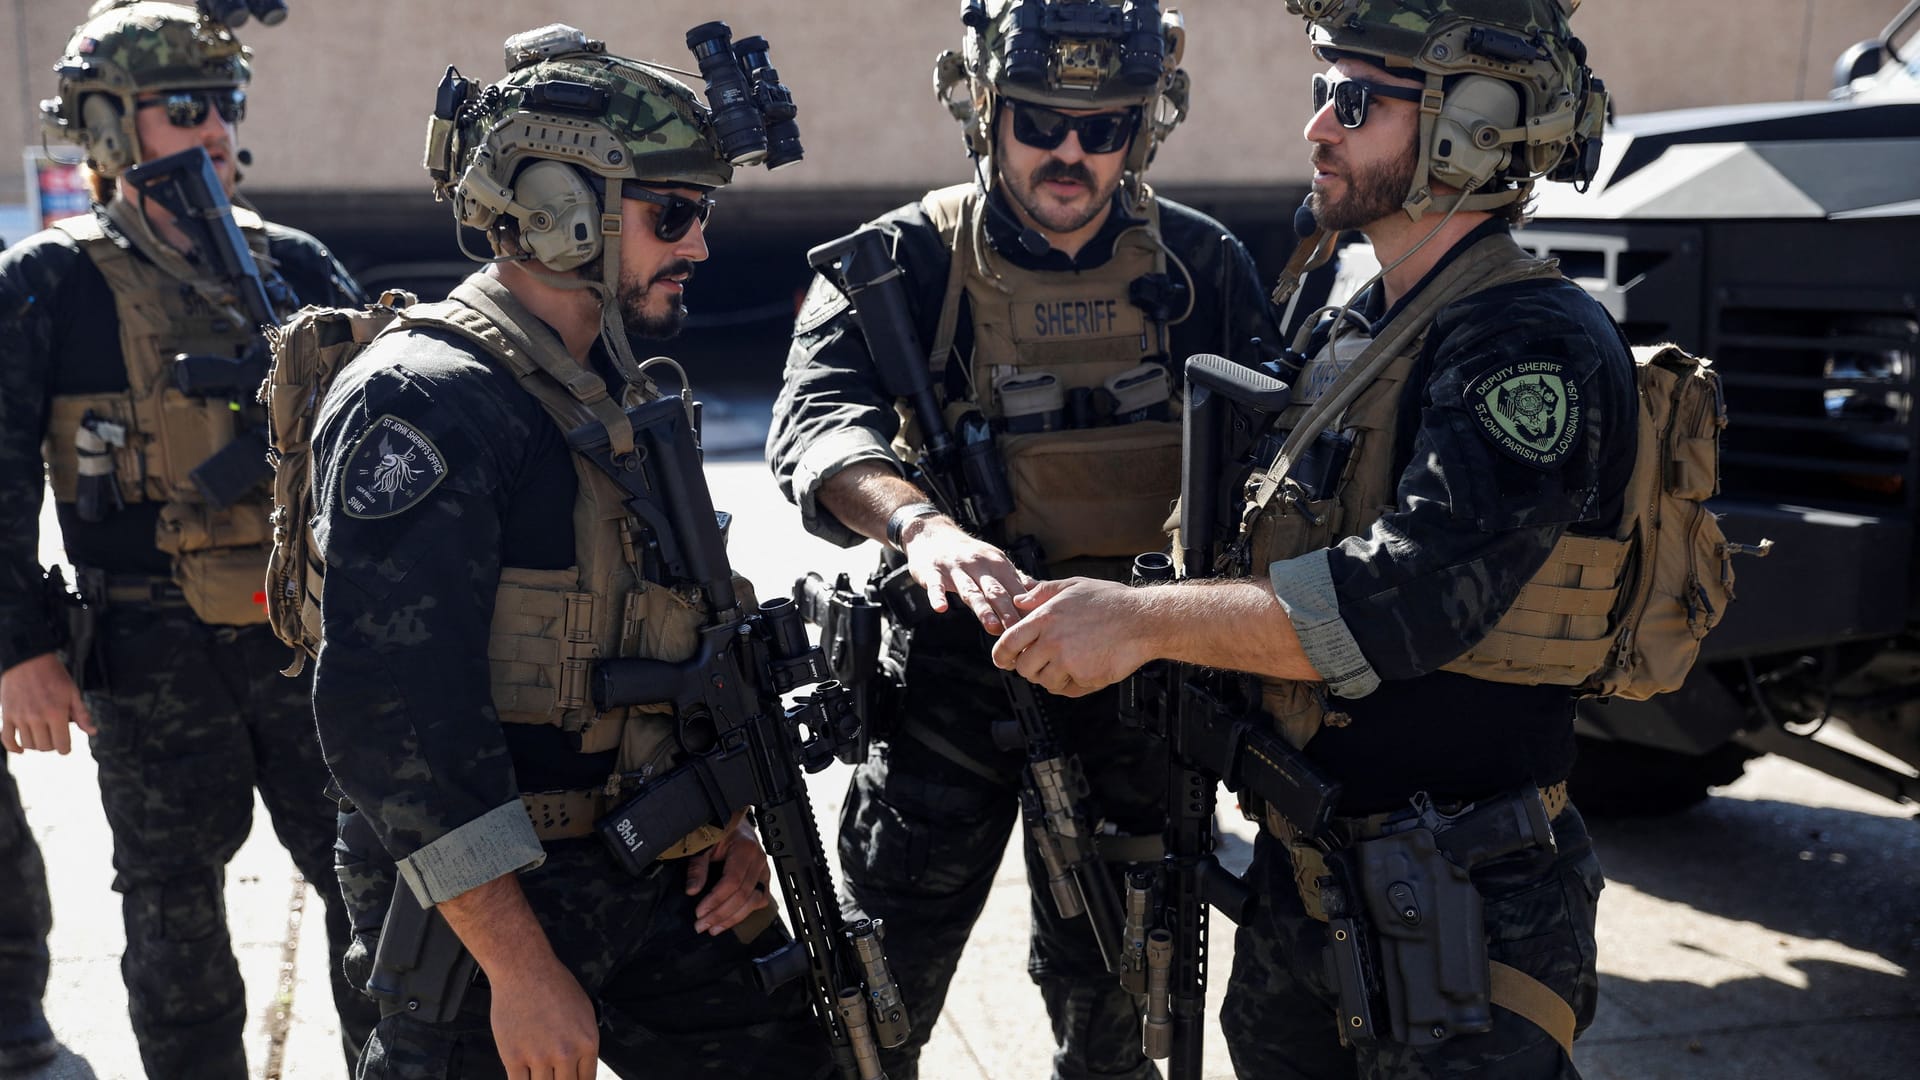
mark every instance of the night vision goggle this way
{"type": "Point", "coordinates": [233, 14]}
{"type": "Point", "coordinates": [1073, 43]}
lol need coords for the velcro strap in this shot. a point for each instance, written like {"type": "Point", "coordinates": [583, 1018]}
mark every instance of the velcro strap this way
{"type": "Point", "coordinates": [1591, 551]}
{"type": "Point", "coordinates": [523, 650]}
{"type": "Point", "coordinates": [1565, 600]}
{"type": "Point", "coordinates": [1529, 998]}
{"type": "Point", "coordinates": [1520, 649]}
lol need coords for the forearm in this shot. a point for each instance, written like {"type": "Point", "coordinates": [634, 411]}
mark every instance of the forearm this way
{"type": "Point", "coordinates": [497, 925]}
{"type": "Point", "coordinates": [1236, 625]}
{"type": "Point", "coordinates": [865, 495]}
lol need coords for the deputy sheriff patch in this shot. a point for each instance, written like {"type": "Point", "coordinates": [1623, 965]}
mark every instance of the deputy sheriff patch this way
{"type": "Point", "coordinates": [391, 469]}
{"type": "Point", "coordinates": [1530, 410]}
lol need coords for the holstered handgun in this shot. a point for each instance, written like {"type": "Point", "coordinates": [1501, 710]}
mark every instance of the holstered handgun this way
{"type": "Point", "coordinates": [1406, 924]}
{"type": "Point", "coordinates": [421, 968]}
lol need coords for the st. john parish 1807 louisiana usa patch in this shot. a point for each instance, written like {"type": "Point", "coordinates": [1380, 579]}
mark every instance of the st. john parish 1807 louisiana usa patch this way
{"type": "Point", "coordinates": [1530, 410]}
{"type": "Point", "coordinates": [391, 468]}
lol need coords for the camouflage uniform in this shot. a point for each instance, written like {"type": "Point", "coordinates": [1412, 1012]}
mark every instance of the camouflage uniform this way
{"type": "Point", "coordinates": [25, 917]}
{"type": "Point", "coordinates": [406, 714]}
{"type": "Point", "coordinates": [192, 716]}
{"type": "Point", "coordinates": [1470, 526]}
{"type": "Point", "coordinates": [926, 820]}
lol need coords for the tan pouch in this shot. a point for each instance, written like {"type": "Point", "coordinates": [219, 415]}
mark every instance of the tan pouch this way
{"type": "Point", "coordinates": [192, 431]}
{"type": "Point", "coordinates": [224, 586]}
{"type": "Point", "coordinates": [184, 528]}
{"type": "Point", "coordinates": [539, 646]}
{"type": "Point", "coordinates": [1100, 492]}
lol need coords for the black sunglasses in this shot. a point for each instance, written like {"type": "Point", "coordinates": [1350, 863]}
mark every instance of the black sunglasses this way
{"type": "Point", "coordinates": [189, 108]}
{"type": "Point", "coordinates": [1350, 97]}
{"type": "Point", "coordinates": [1045, 129]}
{"type": "Point", "coordinates": [677, 213]}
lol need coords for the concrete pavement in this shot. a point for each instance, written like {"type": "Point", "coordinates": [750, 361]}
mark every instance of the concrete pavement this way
{"type": "Point", "coordinates": [1773, 931]}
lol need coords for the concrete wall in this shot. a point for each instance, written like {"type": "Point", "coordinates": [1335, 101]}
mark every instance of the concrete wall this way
{"type": "Point", "coordinates": [343, 87]}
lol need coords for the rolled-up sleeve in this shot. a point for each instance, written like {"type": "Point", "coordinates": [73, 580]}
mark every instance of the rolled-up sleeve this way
{"type": "Point", "coordinates": [402, 689]}
{"type": "Point", "coordinates": [831, 414]}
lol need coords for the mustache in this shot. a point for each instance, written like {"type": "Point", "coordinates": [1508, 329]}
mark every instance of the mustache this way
{"type": "Point", "coordinates": [1062, 170]}
{"type": "Point", "coordinates": [677, 266]}
{"type": "Point", "coordinates": [1320, 156]}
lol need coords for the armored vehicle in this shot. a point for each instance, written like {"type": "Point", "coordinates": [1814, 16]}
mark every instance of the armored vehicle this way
{"type": "Point", "coordinates": [1783, 242]}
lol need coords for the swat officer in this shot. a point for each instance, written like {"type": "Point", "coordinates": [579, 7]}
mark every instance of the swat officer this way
{"type": "Point", "coordinates": [1054, 291]}
{"type": "Point", "coordinates": [180, 689]}
{"type": "Point", "coordinates": [474, 565]}
{"type": "Point", "coordinates": [1484, 408]}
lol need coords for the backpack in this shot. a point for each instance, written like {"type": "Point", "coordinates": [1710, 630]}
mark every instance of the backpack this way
{"type": "Point", "coordinates": [307, 352]}
{"type": "Point", "coordinates": [1679, 581]}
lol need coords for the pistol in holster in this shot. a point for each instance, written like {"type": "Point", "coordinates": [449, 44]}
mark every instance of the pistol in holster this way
{"type": "Point", "coordinates": [1406, 929]}
{"type": "Point", "coordinates": [421, 968]}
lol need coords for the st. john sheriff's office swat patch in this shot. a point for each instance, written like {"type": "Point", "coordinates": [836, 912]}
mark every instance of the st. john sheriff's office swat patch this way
{"type": "Point", "coordinates": [391, 468]}
{"type": "Point", "coordinates": [1530, 410]}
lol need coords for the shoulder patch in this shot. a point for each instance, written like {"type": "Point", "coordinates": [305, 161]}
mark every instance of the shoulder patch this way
{"type": "Point", "coordinates": [389, 470]}
{"type": "Point", "coordinates": [822, 304]}
{"type": "Point", "coordinates": [1530, 410]}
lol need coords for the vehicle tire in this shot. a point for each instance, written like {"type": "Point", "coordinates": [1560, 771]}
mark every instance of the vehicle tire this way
{"type": "Point", "coordinates": [1616, 779]}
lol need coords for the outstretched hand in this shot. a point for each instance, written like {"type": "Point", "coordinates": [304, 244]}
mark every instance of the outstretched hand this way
{"type": "Point", "coordinates": [944, 558]}
{"type": "Point", "coordinates": [1076, 636]}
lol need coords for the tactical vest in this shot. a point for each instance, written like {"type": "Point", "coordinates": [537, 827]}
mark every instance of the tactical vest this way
{"type": "Point", "coordinates": [167, 307]}
{"type": "Point", "coordinates": [549, 626]}
{"type": "Point", "coordinates": [1558, 630]}
{"type": "Point", "coordinates": [1091, 492]}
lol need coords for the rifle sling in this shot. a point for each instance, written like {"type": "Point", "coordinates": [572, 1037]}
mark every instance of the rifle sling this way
{"type": "Point", "coordinates": [917, 730]}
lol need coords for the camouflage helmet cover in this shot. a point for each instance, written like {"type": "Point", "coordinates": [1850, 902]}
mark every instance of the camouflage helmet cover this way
{"type": "Point", "coordinates": [125, 49]}
{"type": "Point", "coordinates": [566, 99]}
{"type": "Point", "coordinates": [1527, 44]}
{"type": "Point", "coordinates": [1083, 69]}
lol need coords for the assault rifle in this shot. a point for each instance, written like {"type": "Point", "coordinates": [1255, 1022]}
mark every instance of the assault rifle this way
{"type": "Point", "coordinates": [1214, 727]}
{"type": "Point", "coordinates": [967, 479]}
{"type": "Point", "coordinates": [186, 185]}
{"type": "Point", "coordinates": [743, 748]}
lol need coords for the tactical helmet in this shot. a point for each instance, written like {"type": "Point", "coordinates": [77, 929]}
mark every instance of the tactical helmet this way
{"type": "Point", "coordinates": [526, 147]}
{"type": "Point", "coordinates": [129, 48]}
{"type": "Point", "coordinates": [1068, 54]}
{"type": "Point", "coordinates": [1508, 97]}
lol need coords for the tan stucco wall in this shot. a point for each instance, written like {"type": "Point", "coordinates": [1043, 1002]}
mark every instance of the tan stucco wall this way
{"type": "Point", "coordinates": [343, 87]}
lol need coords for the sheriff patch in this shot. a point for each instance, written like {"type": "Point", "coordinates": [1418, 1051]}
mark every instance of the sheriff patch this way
{"type": "Point", "coordinates": [390, 469]}
{"type": "Point", "coordinates": [1072, 320]}
{"type": "Point", "coordinates": [1530, 410]}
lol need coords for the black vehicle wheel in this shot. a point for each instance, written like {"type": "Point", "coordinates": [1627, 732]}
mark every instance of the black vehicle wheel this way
{"type": "Point", "coordinates": [1616, 779]}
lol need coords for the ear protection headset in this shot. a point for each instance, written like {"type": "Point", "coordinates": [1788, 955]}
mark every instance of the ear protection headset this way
{"type": "Point", "coordinates": [558, 214]}
{"type": "Point", "coordinates": [555, 203]}
{"type": "Point", "coordinates": [106, 132]}
{"type": "Point", "coordinates": [1470, 138]}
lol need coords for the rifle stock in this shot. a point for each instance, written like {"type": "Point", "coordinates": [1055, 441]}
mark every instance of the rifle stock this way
{"type": "Point", "coordinates": [187, 187]}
